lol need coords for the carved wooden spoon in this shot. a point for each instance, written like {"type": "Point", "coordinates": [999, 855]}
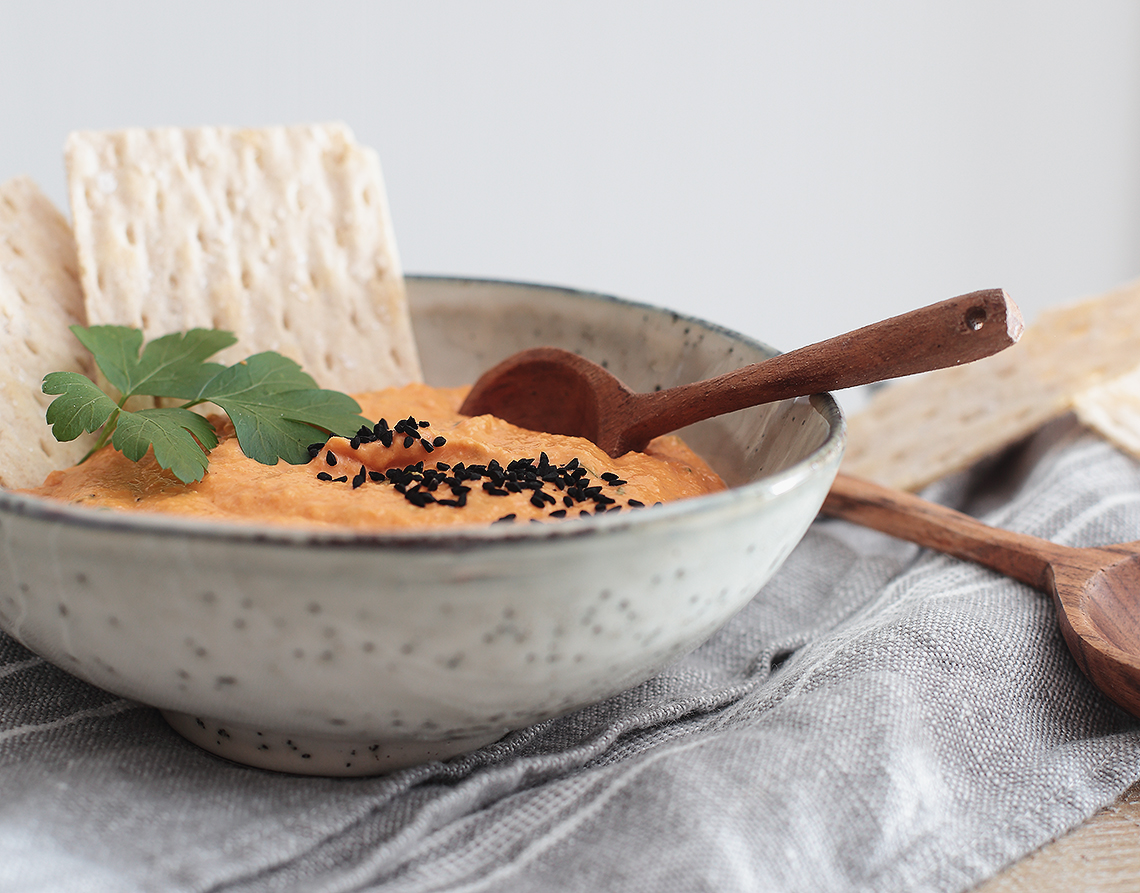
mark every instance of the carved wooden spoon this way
{"type": "Point", "coordinates": [1096, 590]}
{"type": "Point", "coordinates": [554, 390]}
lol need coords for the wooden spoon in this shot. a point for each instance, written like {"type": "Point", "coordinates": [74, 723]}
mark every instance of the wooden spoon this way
{"type": "Point", "coordinates": [554, 390]}
{"type": "Point", "coordinates": [1096, 590]}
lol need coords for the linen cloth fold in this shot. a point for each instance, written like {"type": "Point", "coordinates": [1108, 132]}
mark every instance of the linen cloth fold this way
{"type": "Point", "coordinates": [878, 718]}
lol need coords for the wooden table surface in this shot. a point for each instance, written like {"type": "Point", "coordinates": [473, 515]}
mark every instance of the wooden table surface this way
{"type": "Point", "coordinates": [1101, 856]}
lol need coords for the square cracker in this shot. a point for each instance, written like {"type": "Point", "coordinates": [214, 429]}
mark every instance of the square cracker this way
{"type": "Point", "coordinates": [39, 299]}
{"type": "Point", "coordinates": [1081, 357]}
{"type": "Point", "coordinates": [280, 235]}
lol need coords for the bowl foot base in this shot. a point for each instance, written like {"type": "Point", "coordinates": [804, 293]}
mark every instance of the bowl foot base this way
{"type": "Point", "coordinates": [307, 754]}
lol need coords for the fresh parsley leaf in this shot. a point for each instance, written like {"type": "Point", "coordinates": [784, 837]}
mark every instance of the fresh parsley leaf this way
{"type": "Point", "coordinates": [277, 409]}
{"type": "Point", "coordinates": [171, 366]}
{"type": "Point", "coordinates": [179, 436]}
{"type": "Point", "coordinates": [81, 406]}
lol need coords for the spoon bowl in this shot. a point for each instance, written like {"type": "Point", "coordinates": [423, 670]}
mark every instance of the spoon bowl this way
{"type": "Point", "coordinates": [556, 391]}
{"type": "Point", "coordinates": [1096, 591]}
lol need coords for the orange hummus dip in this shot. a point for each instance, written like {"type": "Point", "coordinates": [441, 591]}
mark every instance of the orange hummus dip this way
{"type": "Point", "coordinates": [451, 471]}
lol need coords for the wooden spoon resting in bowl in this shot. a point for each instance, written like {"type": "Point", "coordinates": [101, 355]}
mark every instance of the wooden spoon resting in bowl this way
{"type": "Point", "coordinates": [556, 391]}
{"type": "Point", "coordinates": [1096, 591]}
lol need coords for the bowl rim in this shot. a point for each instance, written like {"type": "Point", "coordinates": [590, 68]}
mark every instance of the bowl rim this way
{"type": "Point", "coordinates": [461, 538]}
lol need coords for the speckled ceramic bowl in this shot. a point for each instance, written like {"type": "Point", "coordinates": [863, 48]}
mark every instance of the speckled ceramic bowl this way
{"type": "Point", "coordinates": [351, 654]}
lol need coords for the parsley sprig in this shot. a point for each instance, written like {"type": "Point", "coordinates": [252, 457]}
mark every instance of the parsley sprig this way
{"type": "Point", "coordinates": [276, 408]}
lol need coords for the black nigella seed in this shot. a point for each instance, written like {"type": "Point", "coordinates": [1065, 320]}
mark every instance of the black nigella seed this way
{"type": "Point", "coordinates": [425, 424]}
{"type": "Point", "coordinates": [340, 480]}
{"type": "Point", "coordinates": [537, 501]}
{"type": "Point", "coordinates": [558, 513]}
{"type": "Point", "coordinates": [376, 475]}
{"type": "Point", "coordinates": [635, 503]}
{"type": "Point", "coordinates": [355, 442]}
{"type": "Point", "coordinates": [315, 449]}
{"type": "Point", "coordinates": [409, 440]}
{"type": "Point", "coordinates": [427, 447]}
{"type": "Point", "coordinates": [361, 477]}
{"type": "Point", "coordinates": [330, 457]}
{"type": "Point", "coordinates": [324, 476]}
{"type": "Point", "coordinates": [439, 441]}
{"type": "Point", "coordinates": [509, 517]}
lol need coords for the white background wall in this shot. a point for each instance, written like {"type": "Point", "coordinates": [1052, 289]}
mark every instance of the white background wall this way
{"type": "Point", "coordinates": [792, 170]}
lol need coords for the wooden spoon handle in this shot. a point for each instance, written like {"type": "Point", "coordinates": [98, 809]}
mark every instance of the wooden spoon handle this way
{"type": "Point", "coordinates": [1018, 555]}
{"type": "Point", "coordinates": [958, 330]}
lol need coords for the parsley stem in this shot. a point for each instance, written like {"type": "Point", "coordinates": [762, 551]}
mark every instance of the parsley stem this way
{"type": "Point", "coordinates": [105, 434]}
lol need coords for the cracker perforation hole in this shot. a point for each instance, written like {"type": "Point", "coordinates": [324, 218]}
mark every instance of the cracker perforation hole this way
{"type": "Point", "coordinates": [246, 278]}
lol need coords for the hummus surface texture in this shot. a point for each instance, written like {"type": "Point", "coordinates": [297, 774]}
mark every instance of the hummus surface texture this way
{"type": "Point", "coordinates": [453, 471]}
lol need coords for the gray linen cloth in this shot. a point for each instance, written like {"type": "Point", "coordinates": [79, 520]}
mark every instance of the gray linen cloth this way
{"type": "Point", "coordinates": [879, 718]}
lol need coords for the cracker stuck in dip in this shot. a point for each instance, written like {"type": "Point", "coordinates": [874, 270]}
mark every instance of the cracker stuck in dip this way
{"type": "Point", "coordinates": [425, 466]}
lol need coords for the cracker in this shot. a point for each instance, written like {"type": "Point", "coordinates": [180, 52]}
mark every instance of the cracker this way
{"type": "Point", "coordinates": [916, 431]}
{"type": "Point", "coordinates": [1113, 409]}
{"type": "Point", "coordinates": [280, 235]}
{"type": "Point", "coordinates": [39, 299]}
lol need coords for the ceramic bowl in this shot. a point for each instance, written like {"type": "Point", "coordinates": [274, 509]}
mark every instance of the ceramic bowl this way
{"type": "Point", "coordinates": [350, 654]}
